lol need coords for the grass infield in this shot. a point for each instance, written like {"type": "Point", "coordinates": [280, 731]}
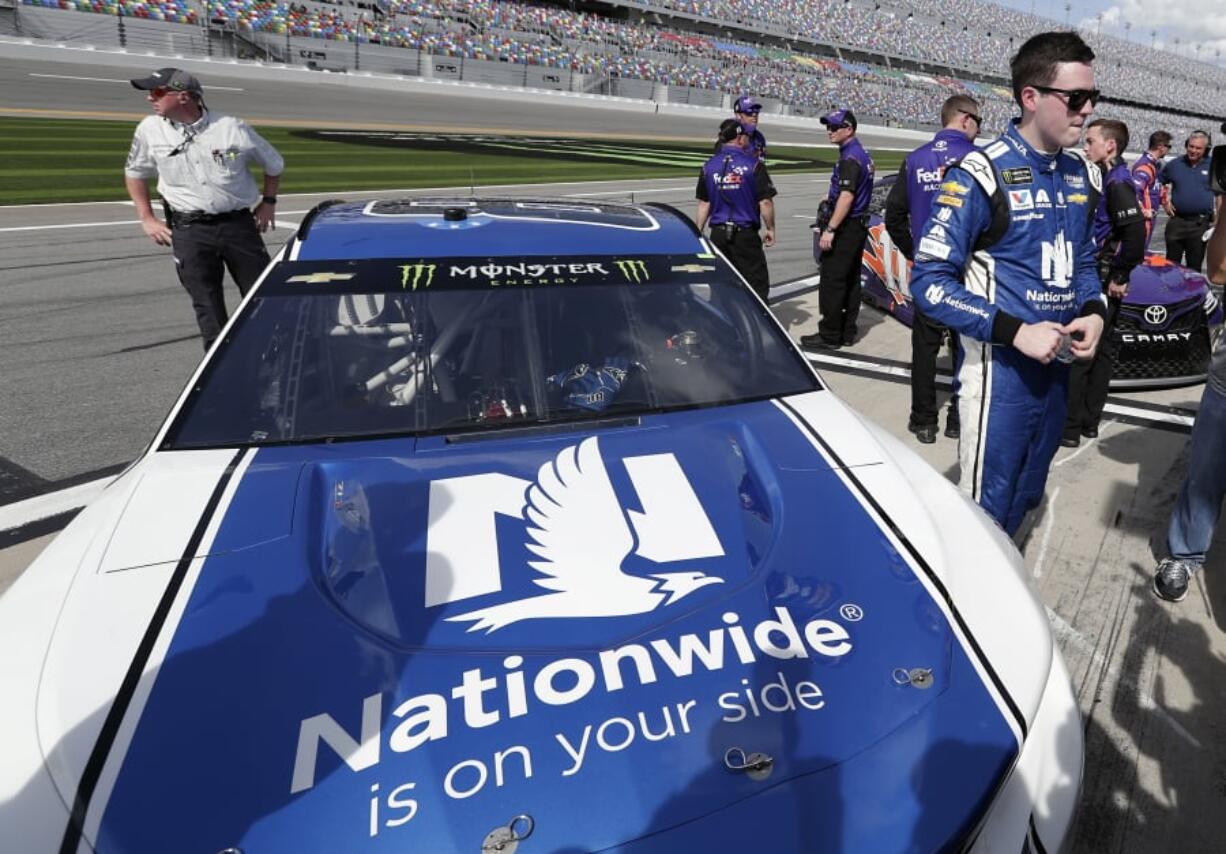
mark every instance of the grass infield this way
{"type": "Point", "coordinates": [81, 160]}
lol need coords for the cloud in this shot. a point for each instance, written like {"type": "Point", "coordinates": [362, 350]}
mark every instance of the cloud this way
{"type": "Point", "coordinates": [1188, 20]}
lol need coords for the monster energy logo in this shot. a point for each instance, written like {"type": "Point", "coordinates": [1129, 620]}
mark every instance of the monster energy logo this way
{"type": "Point", "coordinates": [412, 275]}
{"type": "Point", "coordinates": [633, 271]}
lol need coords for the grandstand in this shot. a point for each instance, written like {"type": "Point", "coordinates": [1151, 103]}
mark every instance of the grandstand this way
{"type": "Point", "coordinates": [893, 61]}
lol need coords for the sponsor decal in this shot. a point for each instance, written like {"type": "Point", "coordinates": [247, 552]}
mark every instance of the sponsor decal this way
{"type": "Point", "coordinates": [1050, 297]}
{"type": "Point", "coordinates": [929, 176]}
{"type": "Point", "coordinates": [633, 271]}
{"type": "Point", "coordinates": [952, 201]}
{"type": "Point", "coordinates": [1074, 180]}
{"type": "Point", "coordinates": [1155, 337]}
{"type": "Point", "coordinates": [413, 275]}
{"type": "Point", "coordinates": [692, 268]}
{"type": "Point", "coordinates": [944, 214]}
{"type": "Point", "coordinates": [1041, 199]}
{"type": "Point", "coordinates": [1155, 315]}
{"type": "Point", "coordinates": [955, 188]}
{"type": "Point", "coordinates": [934, 294]}
{"type": "Point", "coordinates": [1078, 198]}
{"type": "Point", "coordinates": [933, 248]}
{"type": "Point", "coordinates": [579, 530]}
{"type": "Point", "coordinates": [1026, 217]}
{"type": "Point", "coordinates": [1021, 200]}
{"type": "Point", "coordinates": [984, 172]}
{"type": "Point", "coordinates": [1017, 175]}
{"type": "Point", "coordinates": [320, 278]}
{"type": "Point", "coordinates": [498, 275]}
{"type": "Point", "coordinates": [1057, 262]}
{"type": "Point", "coordinates": [940, 145]}
{"type": "Point", "coordinates": [937, 232]}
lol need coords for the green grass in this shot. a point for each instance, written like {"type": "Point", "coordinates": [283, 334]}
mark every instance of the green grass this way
{"type": "Point", "coordinates": [78, 160]}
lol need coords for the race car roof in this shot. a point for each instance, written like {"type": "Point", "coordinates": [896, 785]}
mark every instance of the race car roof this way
{"type": "Point", "coordinates": [450, 227]}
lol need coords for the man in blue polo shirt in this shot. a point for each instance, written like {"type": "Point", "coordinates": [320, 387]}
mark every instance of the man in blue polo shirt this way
{"type": "Point", "coordinates": [906, 213]}
{"type": "Point", "coordinates": [735, 194]}
{"type": "Point", "coordinates": [1189, 203]}
{"type": "Point", "coordinates": [842, 239]}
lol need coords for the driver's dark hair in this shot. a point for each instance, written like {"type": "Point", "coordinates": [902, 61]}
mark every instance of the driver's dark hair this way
{"type": "Point", "coordinates": [1112, 129]}
{"type": "Point", "coordinates": [1157, 138]}
{"type": "Point", "coordinates": [1035, 62]}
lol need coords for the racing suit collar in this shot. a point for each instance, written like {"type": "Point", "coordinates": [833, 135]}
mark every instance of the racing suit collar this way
{"type": "Point", "coordinates": [949, 135]}
{"type": "Point", "coordinates": [1024, 148]}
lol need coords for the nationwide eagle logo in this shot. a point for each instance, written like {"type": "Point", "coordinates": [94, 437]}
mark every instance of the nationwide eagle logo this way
{"type": "Point", "coordinates": [581, 537]}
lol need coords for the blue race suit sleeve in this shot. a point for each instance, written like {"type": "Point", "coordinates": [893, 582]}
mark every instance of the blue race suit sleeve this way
{"type": "Point", "coordinates": [960, 213]}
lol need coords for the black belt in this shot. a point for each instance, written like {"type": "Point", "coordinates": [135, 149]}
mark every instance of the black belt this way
{"type": "Point", "coordinates": [733, 227]}
{"type": "Point", "coordinates": [1201, 218]}
{"type": "Point", "coordinates": [178, 218]}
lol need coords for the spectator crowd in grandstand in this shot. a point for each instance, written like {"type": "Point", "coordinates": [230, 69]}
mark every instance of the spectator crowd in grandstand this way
{"type": "Point", "coordinates": [955, 35]}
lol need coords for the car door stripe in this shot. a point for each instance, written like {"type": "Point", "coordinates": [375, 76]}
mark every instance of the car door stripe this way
{"type": "Point", "coordinates": [123, 698]}
{"type": "Point", "coordinates": [933, 578]}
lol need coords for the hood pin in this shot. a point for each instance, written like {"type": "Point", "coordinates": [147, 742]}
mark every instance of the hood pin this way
{"type": "Point", "coordinates": [916, 677]}
{"type": "Point", "coordinates": [504, 840]}
{"type": "Point", "coordinates": [757, 766]}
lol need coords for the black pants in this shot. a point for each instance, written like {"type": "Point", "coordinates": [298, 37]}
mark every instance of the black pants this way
{"type": "Point", "coordinates": [926, 337]}
{"type": "Point", "coordinates": [1185, 243]}
{"type": "Point", "coordinates": [1088, 381]}
{"type": "Point", "coordinates": [203, 251]}
{"type": "Point", "coordinates": [743, 248]}
{"type": "Point", "coordinates": [839, 288]}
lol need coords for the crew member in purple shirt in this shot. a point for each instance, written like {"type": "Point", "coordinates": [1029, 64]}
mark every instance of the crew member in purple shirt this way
{"type": "Point", "coordinates": [1119, 238]}
{"type": "Point", "coordinates": [1145, 172]}
{"type": "Point", "coordinates": [747, 112]}
{"type": "Point", "coordinates": [843, 236]}
{"type": "Point", "coordinates": [906, 212]}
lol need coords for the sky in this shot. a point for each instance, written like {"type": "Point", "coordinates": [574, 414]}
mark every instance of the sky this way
{"type": "Point", "coordinates": [1192, 22]}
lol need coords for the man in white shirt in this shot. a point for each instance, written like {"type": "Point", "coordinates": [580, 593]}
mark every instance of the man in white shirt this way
{"type": "Point", "coordinates": [200, 160]}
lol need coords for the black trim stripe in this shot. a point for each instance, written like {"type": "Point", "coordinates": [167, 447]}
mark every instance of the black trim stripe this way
{"type": "Point", "coordinates": [868, 498]}
{"type": "Point", "coordinates": [985, 358]}
{"type": "Point", "coordinates": [123, 698]}
{"type": "Point", "coordinates": [1036, 841]}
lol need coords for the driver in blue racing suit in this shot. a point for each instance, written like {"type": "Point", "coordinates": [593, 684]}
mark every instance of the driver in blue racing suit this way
{"type": "Point", "coordinates": [1007, 260]}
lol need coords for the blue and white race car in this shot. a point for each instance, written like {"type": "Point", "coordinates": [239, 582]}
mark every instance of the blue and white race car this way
{"type": "Point", "coordinates": [495, 525]}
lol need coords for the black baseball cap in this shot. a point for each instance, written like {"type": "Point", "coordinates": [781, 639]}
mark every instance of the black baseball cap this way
{"type": "Point", "coordinates": [175, 79]}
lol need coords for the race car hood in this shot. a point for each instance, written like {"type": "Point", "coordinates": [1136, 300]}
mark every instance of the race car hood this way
{"type": "Point", "coordinates": [1157, 281]}
{"type": "Point", "coordinates": [619, 633]}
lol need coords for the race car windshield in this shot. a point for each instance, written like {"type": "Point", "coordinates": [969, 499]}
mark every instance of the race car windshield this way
{"type": "Point", "coordinates": [334, 350]}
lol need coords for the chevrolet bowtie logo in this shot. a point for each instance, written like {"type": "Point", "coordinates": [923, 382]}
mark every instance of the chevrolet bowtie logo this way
{"type": "Point", "coordinates": [412, 275]}
{"type": "Point", "coordinates": [633, 271]}
{"type": "Point", "coordinates": [320, 278]}
{"type": "Point", "coordinates": [692, 268]}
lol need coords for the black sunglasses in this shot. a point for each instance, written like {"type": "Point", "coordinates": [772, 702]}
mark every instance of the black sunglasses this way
{"type": "Point", "coordinates": [1077, 98]}
{"type": "Point", "coordinates": [978, 118]}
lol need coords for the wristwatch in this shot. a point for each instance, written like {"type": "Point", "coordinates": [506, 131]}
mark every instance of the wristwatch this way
{"type": "Point", "coordinates": [269, 200]}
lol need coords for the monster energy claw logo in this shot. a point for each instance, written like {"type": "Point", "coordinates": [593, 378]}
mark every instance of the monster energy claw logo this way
{"type": "Point", "coordinates": [412, 275]}
{"type": "Point", "coordinates": [633, 271]}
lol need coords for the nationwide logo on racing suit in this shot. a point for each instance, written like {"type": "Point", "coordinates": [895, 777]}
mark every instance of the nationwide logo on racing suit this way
{"type": "Point", "coordinates": [633, 271]}
{"type": "Point", "coordinates": [412, 275]}
{"type": "Point", "coordinates": [1057, 262]}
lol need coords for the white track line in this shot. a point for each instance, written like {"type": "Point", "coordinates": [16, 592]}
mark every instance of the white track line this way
{"type": "Point", "coordinates": [52, 504]}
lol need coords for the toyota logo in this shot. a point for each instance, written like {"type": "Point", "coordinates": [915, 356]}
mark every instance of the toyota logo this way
{"type": "Point", "coordinates": [1155, 315]}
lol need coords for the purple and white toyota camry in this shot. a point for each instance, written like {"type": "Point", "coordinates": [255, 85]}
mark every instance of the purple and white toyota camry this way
{"type": "Point", "coordinates": [497, 525]}
{"type": "Point", "coordinates": [1162, 337]}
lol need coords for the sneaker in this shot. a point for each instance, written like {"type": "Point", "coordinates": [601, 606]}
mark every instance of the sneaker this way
{"type": "Point", "coordinates": [926, 433]}
{"type": "Point", "coordinates": [1171, 579]}
{"type": "Point", "coordinates": [817, 342]}
{"type": "Point", "coordinates": [953, 424]}
{"type": "Point", "coordinates": [1090, 432]}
